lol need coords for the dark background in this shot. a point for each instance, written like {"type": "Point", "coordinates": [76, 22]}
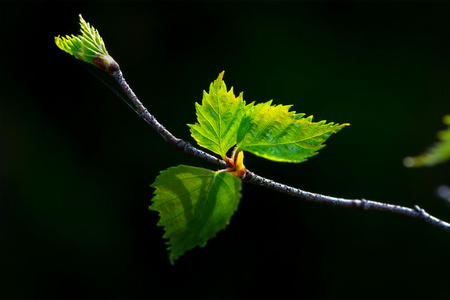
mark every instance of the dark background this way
{"type": "Point", "coordinates": [76, 163]}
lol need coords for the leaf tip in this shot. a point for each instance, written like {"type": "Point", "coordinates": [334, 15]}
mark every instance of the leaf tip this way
{"type": "Point", "coordinates": [340, 126]}
{"type": "Point", "coordinates": [58, 41]}
{"type": "Point", "coordinates": [446, 120]}
{"type": "Point", "coordinates": [408, 162]}
{"type": "Point", "coordinates": [219, 79]}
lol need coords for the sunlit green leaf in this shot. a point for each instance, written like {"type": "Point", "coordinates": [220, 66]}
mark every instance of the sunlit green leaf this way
{"type": "Point", "coordinates": [276, 133]}
{"type": "Point", "coordinates": [218, 118]}
{"type": "Point", "coordinates": [439, 153]}
{"type": "Point", "coordinates": [194, 204]}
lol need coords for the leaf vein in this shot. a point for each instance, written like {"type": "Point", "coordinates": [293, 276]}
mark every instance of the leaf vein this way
{"type": "Point", "coordinates": [265, 126]}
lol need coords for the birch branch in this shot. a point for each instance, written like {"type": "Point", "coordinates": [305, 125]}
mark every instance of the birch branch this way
{"type": "Point", "coordinates": [359, 204]}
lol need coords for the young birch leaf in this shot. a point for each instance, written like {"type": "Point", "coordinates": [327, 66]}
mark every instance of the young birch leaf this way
{"type": "Point", "coordinates": [88, 47]}
{"type": "Point", "coordinates": [276, 133]}
{"type": "Point", "coordinates": [439, 153]}
{"type": "Point", "coordinates": [194, 204]}
{"type": "Point", "coordinates": [218, 118]}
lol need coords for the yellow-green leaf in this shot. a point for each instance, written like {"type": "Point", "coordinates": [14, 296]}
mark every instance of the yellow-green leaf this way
{"type": "Point", "coordinates": [218, 118]}
{"type": "Point", "coordinates": [275, 133]}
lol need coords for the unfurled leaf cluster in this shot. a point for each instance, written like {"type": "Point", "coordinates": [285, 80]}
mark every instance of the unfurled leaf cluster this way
{"type": "Point", "coordinates": [195, 203]}
{"type": "Point", "coordinates": [438, 153]}
{"type": "Point", "coordinates": [88, 47]}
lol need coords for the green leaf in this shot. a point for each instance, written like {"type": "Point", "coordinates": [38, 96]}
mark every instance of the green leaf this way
{"type": "Point", "coordinates": [194, 204]}
{"type": "Point", "coordinates": [437, 154]}
{"type": "Point", "coordinates": [88, 47]}
{"type": "Point", "coordinates": [218, 118]}
{"type": "Point", "coordinates": [276, 133]}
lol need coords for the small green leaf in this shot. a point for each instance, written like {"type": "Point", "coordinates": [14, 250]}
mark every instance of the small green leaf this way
{"type": "Point", "coordinates": [194, 204]}
{"type": "Point", "coordinates": [88, 47]}
{"type": "Point", "coordinates": [437, 154]}
{"type": "Point", "coordinates": [275, 133]}
{"type": "Point", "coordinates": [218, 118]}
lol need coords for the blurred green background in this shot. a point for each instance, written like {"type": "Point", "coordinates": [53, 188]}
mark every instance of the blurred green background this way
{"type": "Point", "coordinates": [76, 163]}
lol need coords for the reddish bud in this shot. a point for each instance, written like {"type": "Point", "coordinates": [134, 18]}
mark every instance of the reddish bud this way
{"type": "Point", "coordinates": [106, 63]}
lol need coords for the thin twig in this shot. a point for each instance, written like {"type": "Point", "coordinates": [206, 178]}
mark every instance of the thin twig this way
{"type": "Point", "coordinates": [166, 134]}
{"type": "Point", "coordinates": [361, 204]}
